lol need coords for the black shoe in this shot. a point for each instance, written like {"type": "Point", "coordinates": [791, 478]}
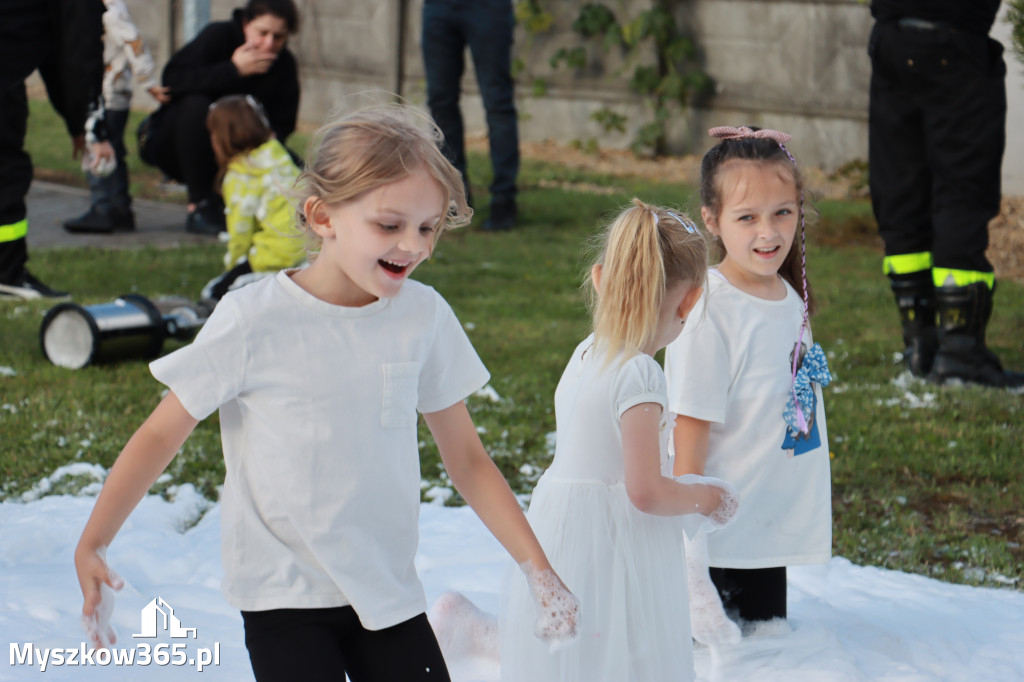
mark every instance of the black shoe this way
{"type": "Point", "coordinates": [503, 216]}
{"type": "Point", "coordinates": [102, 220]}
{"type": "Point", "coordinates": [206, 219]}
{"type": "Point", "coordinates": [27, 287]}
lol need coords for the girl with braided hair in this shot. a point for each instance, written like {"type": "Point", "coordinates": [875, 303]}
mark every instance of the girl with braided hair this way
{"type": "Point", "coordinates": [745, 382]}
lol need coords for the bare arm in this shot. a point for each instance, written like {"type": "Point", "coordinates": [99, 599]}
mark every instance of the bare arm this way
{"type": "Point", "coordinates": [480, 482]}
{"type": "Point", "coordinates": [142, 460]}
{"type": "Point", "coordinates": [690, 439]}
{"type": "Point", "coordinates": [648, 489]}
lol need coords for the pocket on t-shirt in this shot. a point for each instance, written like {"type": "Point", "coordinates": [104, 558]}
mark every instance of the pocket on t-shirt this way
{"type": "Point", "coordinates": [401, 384]}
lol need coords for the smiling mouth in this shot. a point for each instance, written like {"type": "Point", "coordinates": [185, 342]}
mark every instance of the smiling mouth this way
{"type": "Point", "coordinates": [393, 267]}
{"type": "Point", "coordinates": [767, 251]}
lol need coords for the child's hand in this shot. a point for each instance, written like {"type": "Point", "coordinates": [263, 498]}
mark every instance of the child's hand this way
{"type": "Point", "coordinates": [716, 499]}
{"type": "Point", "coordinates": [98, 582]}
{"type": "Point", "coordinates": [160, 93]}
{"type": "Point", "coordinates": [558, 608]}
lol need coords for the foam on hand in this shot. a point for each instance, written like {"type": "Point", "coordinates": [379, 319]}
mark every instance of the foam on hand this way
{"type": "Point", "coordinates": [99, 166]}
{"type": "Point", "coordinates": [726, 509]}
{"type": "Point", "coordinates": [98, 630]}
{"type": "Point", "coordinates": [558, 609]}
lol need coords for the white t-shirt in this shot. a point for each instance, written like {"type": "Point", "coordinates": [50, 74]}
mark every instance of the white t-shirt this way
{"type": "Point", "coordinates": [733, 368]}
{"type": "Point", "coordinates": [318, 402]}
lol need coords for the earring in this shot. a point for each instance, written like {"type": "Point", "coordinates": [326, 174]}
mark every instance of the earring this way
{"type": "Point", "coordinates": [682, 320]}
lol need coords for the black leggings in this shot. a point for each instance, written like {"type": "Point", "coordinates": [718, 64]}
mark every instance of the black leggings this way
{"type": "Point", "coordinates": [316, 645]}
{"type": "Point", "coordinates": [753, 594]}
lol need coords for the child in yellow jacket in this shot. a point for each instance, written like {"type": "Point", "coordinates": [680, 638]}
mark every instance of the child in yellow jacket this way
{"type": "Point", "coordinates": [257, 173]}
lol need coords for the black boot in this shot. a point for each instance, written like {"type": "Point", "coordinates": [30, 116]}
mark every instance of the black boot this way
{"type": "Point", "coordinates": [963, 316]}
{"type": "Point", "coordinates": [102, 219]}
{"type": "Point", "coordinates": [914, 297]}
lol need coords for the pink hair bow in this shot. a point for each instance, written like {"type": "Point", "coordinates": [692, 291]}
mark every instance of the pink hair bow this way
{"type": "Point", "coordinates": [729, 133]}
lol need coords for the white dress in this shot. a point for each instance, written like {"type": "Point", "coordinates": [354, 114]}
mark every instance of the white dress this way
{"type": "Point", "coordinates": [625, 566]}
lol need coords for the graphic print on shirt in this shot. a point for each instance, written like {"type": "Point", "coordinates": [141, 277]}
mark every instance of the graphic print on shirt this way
{"type": "Point", "coordinates": [802, 434]}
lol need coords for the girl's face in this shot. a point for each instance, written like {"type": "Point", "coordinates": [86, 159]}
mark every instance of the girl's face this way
{"type": "Point", "coordinates": [371, 245]}
{"type": "Point", "coordinates": [757, 224]}
{"type": "Point", "coordinates": [266, 32]}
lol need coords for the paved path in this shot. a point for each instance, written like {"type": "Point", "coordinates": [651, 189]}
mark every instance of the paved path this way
{"type": "Point", "coordinates": [49, 205]}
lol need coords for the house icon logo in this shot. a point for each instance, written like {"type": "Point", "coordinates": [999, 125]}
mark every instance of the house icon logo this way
{"type": "Point", "coordinates": [152, 621]}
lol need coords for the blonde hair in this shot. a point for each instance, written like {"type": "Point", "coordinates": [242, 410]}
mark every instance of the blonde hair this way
{"type": "Point", "coordinates": [362, 151]}
{"type": "Point", "coordinates": [646, 250]}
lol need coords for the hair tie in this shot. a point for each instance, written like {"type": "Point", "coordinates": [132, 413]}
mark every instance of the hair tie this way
{"type": "Point", "coordinates": [743, 132]}
{"type": "Point", "coordinates": [687, 224]}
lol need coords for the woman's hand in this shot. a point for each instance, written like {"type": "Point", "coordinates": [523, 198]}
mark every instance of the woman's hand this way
{"type": "Point", "coordinates": [251, 60]}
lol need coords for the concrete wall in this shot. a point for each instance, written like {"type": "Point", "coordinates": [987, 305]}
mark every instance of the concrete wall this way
{"type": "Point", "coordinates": [796, 65]}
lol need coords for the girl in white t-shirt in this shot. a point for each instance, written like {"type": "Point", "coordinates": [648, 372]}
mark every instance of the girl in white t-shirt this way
{"type": "Point", "coordinates": [745, 382]}
{"type": "Point", "coordinates": [607, 511]}
{"type": "Point", "coordinates": [318, 374]}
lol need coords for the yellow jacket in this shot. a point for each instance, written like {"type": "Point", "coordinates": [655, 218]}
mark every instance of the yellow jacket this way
{"type": "Point", "coordinates": [260, 215]}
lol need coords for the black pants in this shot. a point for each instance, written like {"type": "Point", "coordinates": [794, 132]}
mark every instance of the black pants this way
{"type": "Point", "coordinates": [315, 645]}
{"type": "Point", "coordinates": [15, 178]}
{"type": "Point", "coordinates": [937, 120]}
{"type": "Point", "coordinates": [486, 27]}
{"type": "Point", "coordinates": [753, 594]}
{"type": "Point", "coordinates": [182, 146]}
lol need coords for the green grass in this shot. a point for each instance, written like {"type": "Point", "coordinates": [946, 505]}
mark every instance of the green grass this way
{"type": "Point", "coordinates": [925, 479]}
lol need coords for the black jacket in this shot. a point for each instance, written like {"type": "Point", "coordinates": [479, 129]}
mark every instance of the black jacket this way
{"type": "Point", "coordinates": [64, 40]}
{"type": "Point", "coordinates": [204, 66]}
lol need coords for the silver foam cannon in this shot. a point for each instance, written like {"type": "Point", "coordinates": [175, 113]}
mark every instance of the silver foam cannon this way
{"type": "Point", "coordinates": [130, 327]}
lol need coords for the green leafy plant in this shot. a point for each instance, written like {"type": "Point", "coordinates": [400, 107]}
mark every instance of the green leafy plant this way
{"type": "Point", "coordinates": [672, 80]}
{"type": "Point", "coordinates": [1015, 17]}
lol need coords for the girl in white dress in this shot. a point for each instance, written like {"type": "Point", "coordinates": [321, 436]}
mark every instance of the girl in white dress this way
{"type": "Point", "coordinates": [745, 383]}
{"type": "Point", "coordinates": [608, 514]}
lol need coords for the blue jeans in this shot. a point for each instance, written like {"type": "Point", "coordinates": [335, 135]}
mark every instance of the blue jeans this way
{"type": "Point", "coordinates": [111, 192]}
{"type": "Point", "coordinates": [486, 27]}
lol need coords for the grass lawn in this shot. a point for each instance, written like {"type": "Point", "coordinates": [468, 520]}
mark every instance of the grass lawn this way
{"type": "Point", "coordinates": [926, 479]}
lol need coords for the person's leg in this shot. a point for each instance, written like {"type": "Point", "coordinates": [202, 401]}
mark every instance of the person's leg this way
{"type": "Point", "coordinates": [901, 187]}
{"type": "Point", "coordinates": [489, 27]}
{"type": "Point", "coordinates": [110, 205]}
{"type": "Point", "coordinates": [15, 180]}
{"type": "Point", "coordinates": [407, 652]}
{"type": "Point", "coordinates": [295, 644]}
{"type": "Point", "coordinates": [182, 150]}
{"type": "Point", "coordinates": [192, 141]}
{"type": "Point", "coordinates": [756, 594]}
{"type": "Point", "coordinates": [966, 128]}
{"type": "Point", "coordinates": [118, 195]}
{"type": "Point", "coordinates": [965, 119]}
{"type": "Point", "coordinates": [444, 46]}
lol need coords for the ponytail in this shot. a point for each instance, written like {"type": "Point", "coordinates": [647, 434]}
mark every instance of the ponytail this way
{"type": "Point", "coordinates": [646, 250]}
